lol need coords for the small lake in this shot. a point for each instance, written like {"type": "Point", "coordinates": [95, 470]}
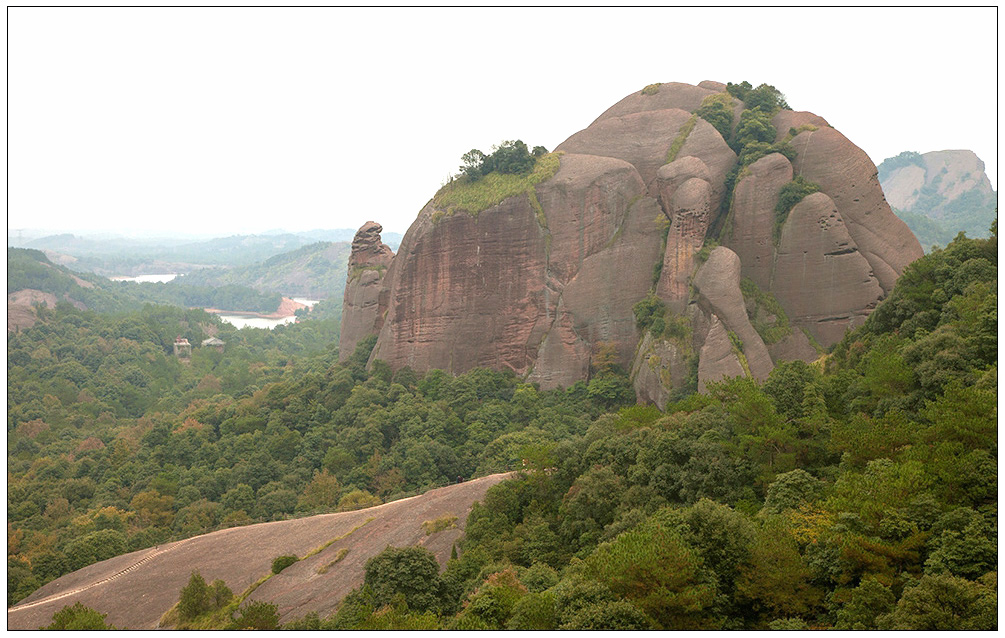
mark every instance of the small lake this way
{"type": "Point", "coordinates": [234, 320]}
{"type": "Point", "coordinates": [149, 279]}
{"type": "Point", "coordinates": [256, 322]}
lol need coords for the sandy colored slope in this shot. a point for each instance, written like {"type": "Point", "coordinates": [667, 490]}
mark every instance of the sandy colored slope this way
{"type": "Point", "coordinates": [136, 589]}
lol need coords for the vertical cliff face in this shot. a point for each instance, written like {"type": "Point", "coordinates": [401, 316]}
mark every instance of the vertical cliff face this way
{"type": "Point", "coordinates": [540, 282]}
{"type": "Point", "coordinates": [362, 311]}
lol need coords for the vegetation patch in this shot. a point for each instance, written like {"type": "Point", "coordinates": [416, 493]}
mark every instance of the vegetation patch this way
{"type": "Point", "coordinates": [476, 195]}
{"type": "Point", "coordinates": [706, 249]}
{"type": "Point", "coordinates": [678, 142]}
{"type": "Point", "coordinates": [339, 556]}
{"type": "Point", "coordinates": [907, 158]}
{"type": "Point", "coordinates": [737, 349]}
{"type": "Point", "coordinates": [439, 524]}
{"type": "Point", "coordinates": [765, 313]}
{"type": "Point", "coordinates": [322, 548]}
{"type": "Point", "coordinates": [717, 110]}
{"type": "Point", "coordinates": [357, 271]}
{"type": "Point", "coordinates": [794, 131]}
{"type": "Point", "coordinates": [755, 135]}
{"type": "Point", "coordinates": [279, 563]}
{"type": "Point", "coordinates": [652, 89]}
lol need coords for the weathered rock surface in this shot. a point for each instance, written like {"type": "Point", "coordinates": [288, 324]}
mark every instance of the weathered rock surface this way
{"type": "Point", "coordinates": [136, 589]}
{"type": "Point", "coordinates": [362, 312]}
{"type": "Point", "coordinates": [690, 210]}
{"type": "Point", "coordinates": [504, 290]}
{"type": "Point", "coordinates": [670, 95]}
{"type": "Point", "coordinates": [641, 139]}
{"type": "Point", "coordinates": [825, 284]}
{"type": "Point", "coordinates": [948, 187]}
{"type": "Point", "coordinates": [903, 187]}
{"type": "Point", "coordinates": [795, 347]}
{"type": "Point", "coordinates": [712, 85]}
{"type": "Point", "coordinates": [538, 285]}
{"type": "Point", "coordinates": [467, 292]}
{"type": "Point", "coordinates": [848, 176]}
{"type": "Point", "coordinates": [705, 143]}
{"type": "Point", "coordinates": [718, 284]}
{"type": "Point", "coordinates": [784, 121]}
{"type": "Point", "coordinates": [21, 307]}
{"type": "Point", "coordinates": [753, 217]}
{"type": "Point", "coordinates": [718, 359]}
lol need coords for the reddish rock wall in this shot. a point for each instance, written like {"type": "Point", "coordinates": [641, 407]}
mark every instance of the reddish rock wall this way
{"type": "Point", "coordinates": [539, 287]}
{"type": "Point", "coordinates": [362, 312]}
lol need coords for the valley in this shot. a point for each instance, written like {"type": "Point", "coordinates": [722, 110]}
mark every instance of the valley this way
{"type": "Point", "coordinates": [687, 371]}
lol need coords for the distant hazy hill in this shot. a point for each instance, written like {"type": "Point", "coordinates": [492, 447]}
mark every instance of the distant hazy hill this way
{"type": "Point", "coordinates": [32, 279]}
{"type": "Point", "coordinates": [315, 271]}
{"type": "Point", "coordinates": [117, 255]}
{"type": "Point", "coordinates": [939, 194]}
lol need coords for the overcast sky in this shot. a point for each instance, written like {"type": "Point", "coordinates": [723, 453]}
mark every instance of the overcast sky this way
{"type": "Point", "coordinates": [233, 121]}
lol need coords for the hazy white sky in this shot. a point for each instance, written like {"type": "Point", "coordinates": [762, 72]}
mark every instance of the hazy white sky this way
{"type": "Point", "coordinates": [232, 121]}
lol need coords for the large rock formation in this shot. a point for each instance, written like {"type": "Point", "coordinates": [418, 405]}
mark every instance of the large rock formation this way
{"type": "Point", "coordinates": [940, 194]}
{"type": "Point", "coordinates": [543, 281]}
{"type": "Point", "coordinates": [362, 311]}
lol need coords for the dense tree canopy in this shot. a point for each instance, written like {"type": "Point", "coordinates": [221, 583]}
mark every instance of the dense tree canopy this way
{"type": "Point", "coordinates": [856, 492]}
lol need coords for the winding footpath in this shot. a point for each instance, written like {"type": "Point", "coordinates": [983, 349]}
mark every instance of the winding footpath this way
{"type": "Point", "coordinates": [72, 592]}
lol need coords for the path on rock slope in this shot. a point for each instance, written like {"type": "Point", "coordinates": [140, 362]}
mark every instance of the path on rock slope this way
{"type": "Point", "coordinates": [137, 588]}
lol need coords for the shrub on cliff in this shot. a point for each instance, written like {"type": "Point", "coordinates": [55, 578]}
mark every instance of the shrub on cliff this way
{"type": "Point", "coordinates": [411, 572]}
{"type": "Point", "coordinates": [77, 618]}
{"type": "Point", "coordinates": [717, 110]}
{"type": "Point", "coordinates": [510, 157]}
{"type": "Point", "coordinates": [475, 194]}
{"type": "Point", "coordinates": [279, 563]}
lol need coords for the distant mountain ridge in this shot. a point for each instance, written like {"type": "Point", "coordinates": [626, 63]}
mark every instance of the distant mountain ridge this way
{"type": "Point", "coordinates": [314, 271]}
{"type": "Point", "coordinates": [940, 193]}
{"type": "Point", "coordinates": [111, 255]}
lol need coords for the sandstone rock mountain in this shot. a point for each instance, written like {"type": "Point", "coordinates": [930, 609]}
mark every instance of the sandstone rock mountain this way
{"type": "Point", "coordinates": [334, 550]}
{"type": "Point", "coordinates": [541, 282]}
{"type": "Point", "coordinates": [361, 309]}
{"type": "Point", "coordinates": [940, 194]}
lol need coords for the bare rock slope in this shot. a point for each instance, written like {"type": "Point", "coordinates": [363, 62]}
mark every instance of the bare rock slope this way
{"type": "Point", "coordinates": [544, 281]}
{"type": "Point", "coordinates": [136, 589]}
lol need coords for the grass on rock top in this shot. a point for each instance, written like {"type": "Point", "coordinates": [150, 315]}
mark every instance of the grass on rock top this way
{"type": "Point", "coordinates": [473, 197]}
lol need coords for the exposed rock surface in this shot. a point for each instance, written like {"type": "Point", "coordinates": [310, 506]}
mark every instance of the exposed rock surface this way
{"type": "Point", "coordinates": [718, 284]}
{"type": "Point", "coordinates": [240, 556]}
{"type": "Point", "coordinates": [540, 282]}
{"type": "Point", "coordinates": [822, 280]}
{"type": "Point", "coordinates": [718, 359]}
{"type": "Point", "coordinates": [690, 210]}
{"type": "Point", "coordinates": [948, 188]}
{"type": "Point", "coordinates": [506, 291]}
{"type": "Point", "coordinates": [642, 139]}
{"type": "Point", "coordinates": [753, 217]}
{"type": "Point", "coordinates": [21, 307]}
{"type": "Point", "coordinates": [362, 312]}
{"type": "Point", "coordinates": [670, 95]}
{"type": "Point", "coordinates": [845, 173]}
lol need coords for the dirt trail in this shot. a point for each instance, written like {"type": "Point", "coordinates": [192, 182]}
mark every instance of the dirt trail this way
{"type": "Point", "coordinates": [136, 589]}
{"type": "Point", "coordinates": [157, 551]}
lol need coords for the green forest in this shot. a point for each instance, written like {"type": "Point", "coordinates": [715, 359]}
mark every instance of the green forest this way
{"type": "Point", "coordinates": [857, 492]}
{"type": "Point", "coordinates": [31, 269]}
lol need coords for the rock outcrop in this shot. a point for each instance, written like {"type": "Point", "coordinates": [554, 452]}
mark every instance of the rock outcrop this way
{"type": "Point", "coordinates": [940, 194]}
{"type": "Point", "coordinates": [543, 281]}
{"type": "Point", "coordinates": [754, 202]}
{"type": "Point", "coordinates": [335, 549]}
{"type": "Point", "coordinates": [362, 310]}
{"type": "Point", "coordinates": [825, 284]}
